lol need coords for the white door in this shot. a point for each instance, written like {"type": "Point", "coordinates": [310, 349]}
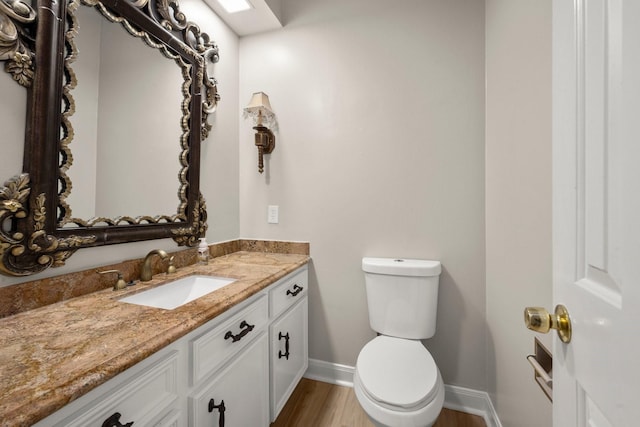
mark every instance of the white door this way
{"type": "Point", "coordinates": [596, 211]}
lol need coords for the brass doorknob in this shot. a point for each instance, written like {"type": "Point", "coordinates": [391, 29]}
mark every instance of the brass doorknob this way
{"type": "Point", "coordinates": [540, 320]}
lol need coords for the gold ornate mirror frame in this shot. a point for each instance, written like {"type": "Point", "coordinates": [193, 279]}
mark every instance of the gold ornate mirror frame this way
{"type": "Point", "coordinates": [38, 47]}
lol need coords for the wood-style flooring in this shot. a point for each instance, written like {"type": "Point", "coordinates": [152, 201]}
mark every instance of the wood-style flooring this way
{"type": "Point", "coordinates": [318, 404]}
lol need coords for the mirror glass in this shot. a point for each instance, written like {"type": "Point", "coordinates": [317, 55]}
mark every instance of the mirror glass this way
{"type": "Point", "coordinates": [122, 165]}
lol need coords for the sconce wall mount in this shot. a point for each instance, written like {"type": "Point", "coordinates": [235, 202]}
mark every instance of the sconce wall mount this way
{"type": "Point", "coordinates": [260, 110]}
{"type": "Point", "coordinates": [266, 142]}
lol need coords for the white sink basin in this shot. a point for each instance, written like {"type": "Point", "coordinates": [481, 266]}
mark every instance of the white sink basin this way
{"type": "Point", "coordinates": [179, 292]}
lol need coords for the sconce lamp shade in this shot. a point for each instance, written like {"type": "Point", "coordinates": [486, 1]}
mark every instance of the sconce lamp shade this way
{"type": "Point", "coordinates": [259, 109]}
{"type": "Point", "coordinates": [259, 101]}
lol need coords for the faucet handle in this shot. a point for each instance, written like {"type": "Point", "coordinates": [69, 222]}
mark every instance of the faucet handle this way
{"type": "Point", "coordinates": [171, 268]}
{"type": "Point", "coordinates": [120, 284]}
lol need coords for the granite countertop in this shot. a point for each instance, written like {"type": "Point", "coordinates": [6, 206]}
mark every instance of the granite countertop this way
{"type": "Point", "coordinates": [54, 354]}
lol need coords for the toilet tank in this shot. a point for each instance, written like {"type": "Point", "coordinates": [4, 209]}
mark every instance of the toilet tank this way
{"type": "Point", "coordinates": [402, 296]}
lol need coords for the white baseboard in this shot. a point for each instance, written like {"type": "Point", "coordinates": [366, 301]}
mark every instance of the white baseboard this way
{"type": "Point", "coordinates": [457, 398]}
{"type": "Point", "coordinates": [472, 402]}
{"type": "Point", "coordinates": [332, 373]}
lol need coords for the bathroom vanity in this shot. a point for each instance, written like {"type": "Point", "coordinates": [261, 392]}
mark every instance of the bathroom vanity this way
{"type": "Point", "coordinates": [234, 355]}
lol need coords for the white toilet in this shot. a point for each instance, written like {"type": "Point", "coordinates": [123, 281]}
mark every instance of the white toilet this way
{"type": "Point", "coordinates": [396, 380]}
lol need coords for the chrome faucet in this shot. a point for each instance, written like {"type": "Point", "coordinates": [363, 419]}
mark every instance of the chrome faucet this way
{"type": "Point", "coordinates": [146, 273]}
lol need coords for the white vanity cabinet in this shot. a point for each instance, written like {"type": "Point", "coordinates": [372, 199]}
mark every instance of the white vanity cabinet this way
{"type": "Point", "coordinates": [238, 369]}
{"type": "Point", "coordinates": [288, 334]}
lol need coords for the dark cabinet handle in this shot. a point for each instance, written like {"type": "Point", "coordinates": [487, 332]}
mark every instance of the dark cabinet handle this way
{"type": "Point", "coordinates": [247, 328]}
{"type": "Point", "coordinates": [114, 421]}
{"type": "Point", "coordinates": [220, 408]}
{"type": "Point", "coordinates": [286, 346]}
{"type": "Point", "coordinates": [296, 290]}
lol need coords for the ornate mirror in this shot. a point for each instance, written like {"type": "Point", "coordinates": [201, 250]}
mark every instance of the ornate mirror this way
{"type": "Point", "coordinates": [53, 208]}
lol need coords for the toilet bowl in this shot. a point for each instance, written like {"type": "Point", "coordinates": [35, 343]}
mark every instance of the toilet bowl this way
{"type": "Point", "coordinates": [396, 380]}
{"type": "Point", "coordinates": [397, 383]}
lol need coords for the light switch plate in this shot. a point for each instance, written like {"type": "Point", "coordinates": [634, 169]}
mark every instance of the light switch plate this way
{"type": "Point", "coordinates": [272, 214]}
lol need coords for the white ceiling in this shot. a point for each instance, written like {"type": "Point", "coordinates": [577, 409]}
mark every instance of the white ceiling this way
{"type": "Point", "coordinates": [264, 16]}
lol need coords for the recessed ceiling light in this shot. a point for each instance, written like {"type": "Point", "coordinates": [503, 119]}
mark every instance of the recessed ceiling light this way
{"type": "Point", "coordinates": [233, 6]}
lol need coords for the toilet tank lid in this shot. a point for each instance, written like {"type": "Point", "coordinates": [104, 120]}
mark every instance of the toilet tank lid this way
{"type": "Point", "coordinates": [401, 266]}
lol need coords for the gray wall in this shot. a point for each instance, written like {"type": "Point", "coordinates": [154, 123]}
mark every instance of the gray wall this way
{"type": "Point", "coordinates": [380, 153]}
{"type": "Point", "coordinates": [518, 200]}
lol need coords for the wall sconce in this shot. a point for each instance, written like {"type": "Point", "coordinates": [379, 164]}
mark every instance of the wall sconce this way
{"type": "Point", "coordinates": [259, 109]}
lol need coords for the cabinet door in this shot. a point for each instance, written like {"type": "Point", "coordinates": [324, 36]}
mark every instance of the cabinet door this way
{"type": "Point", "coordinates": [289, 354]}
{"type": "Point", "coordinates": [238, 394]}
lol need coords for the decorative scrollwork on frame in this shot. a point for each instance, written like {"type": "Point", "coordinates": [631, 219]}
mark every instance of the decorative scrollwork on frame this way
{"type": "Point", "coordinates": [23, 254]}
{"type": "Point", "coordinates": [17, 40]}
{"type": "Point", "coordinates": [69, 109]}
{"type": "Point", "coordinates": [13, 198]}
{"type": "Point", "coordinates": [202, 44]}
{"type": "Point", "coordinates": [188, 236]}
{"type": "Point", "coordinates": [173, 18]}
{"type": "Point", "coordinates": [209, 104]}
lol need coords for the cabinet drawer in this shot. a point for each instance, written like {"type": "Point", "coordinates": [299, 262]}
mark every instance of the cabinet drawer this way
{"type": "Point", "coordinates": [290, 291]}
{"type": "Point", "coordinates": [146, 399]}
{"type": "Point", "coordinates": [210, 350]}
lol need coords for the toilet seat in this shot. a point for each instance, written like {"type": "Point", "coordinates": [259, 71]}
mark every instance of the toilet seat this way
{"type": "Point", "coordinates": [399, 374]}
